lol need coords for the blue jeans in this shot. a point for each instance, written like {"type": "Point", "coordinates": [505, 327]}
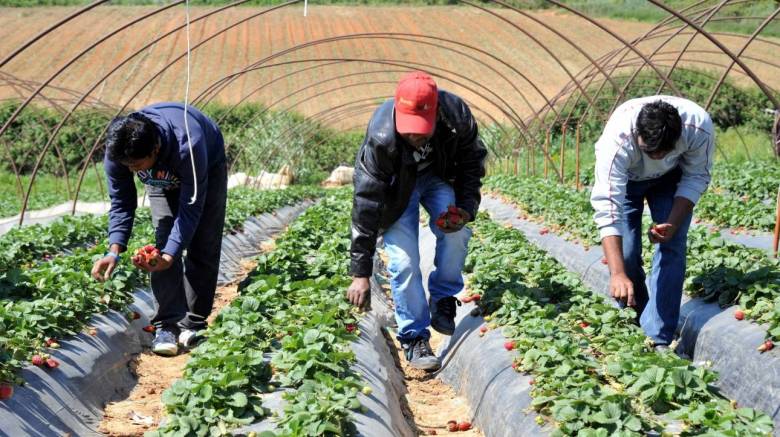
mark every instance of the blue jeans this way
{"type": "Point", "coordinates": [660, 308]}
{"type": "Point", "coordinates": [401, 245]}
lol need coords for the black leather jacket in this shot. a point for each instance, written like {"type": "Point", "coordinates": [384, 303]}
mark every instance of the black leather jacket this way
{"type": "Point", "coordinates": [386, 172]}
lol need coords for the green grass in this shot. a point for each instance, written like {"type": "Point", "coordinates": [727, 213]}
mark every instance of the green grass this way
{"type": "Point", "coordinates": [49, 190]}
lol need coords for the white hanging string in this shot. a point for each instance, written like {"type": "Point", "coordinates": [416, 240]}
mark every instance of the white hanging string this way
{"type": "Point", "coordinates": [305, 6]}
{"type": "Point", "coordinates": [186, 102]}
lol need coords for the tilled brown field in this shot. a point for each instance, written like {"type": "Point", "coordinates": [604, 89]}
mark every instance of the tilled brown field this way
{"type": "Point", "coordinates": [366, 80]}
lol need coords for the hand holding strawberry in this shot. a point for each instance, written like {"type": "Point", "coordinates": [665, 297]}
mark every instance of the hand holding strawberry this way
{"type": "Point", "coordinates": [661, 233]}
{"type": "Point", "coordinates": [453, 219]}
{"type": "Point", "coordinates": [150, 259]}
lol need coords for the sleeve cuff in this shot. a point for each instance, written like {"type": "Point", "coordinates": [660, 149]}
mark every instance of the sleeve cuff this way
{"type": "Point", "coordinates": [610, 230]}
{"type": "Point", "coordinates": [172, 248]}
{"type": "Point", "coordinates": [117, 238]}
{"type": "Point", "coordinates": [688, 193]}
{"type": "Point", "coordinates": [360, 270]}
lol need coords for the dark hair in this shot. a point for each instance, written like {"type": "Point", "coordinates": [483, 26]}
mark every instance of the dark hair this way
{"type": "Point", "coordinates": [131, 137]}
{"type": "Point", "coordinates": [659, 125]}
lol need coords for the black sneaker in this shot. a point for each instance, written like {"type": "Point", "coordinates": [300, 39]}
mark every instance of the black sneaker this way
{"type": "Point", "coordinates": [443, 315]}
{"type": "Point", "coordinates": [419, 354]}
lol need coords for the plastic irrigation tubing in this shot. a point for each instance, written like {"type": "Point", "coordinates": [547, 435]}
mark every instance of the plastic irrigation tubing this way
{"type": "Point", "coordinates": [48, 30]}
{"type": "Point", "coordinates": [147, 46]}
{"type": "Point", "coordinates": [220, 84]}
{"type": "Point", "coordinates": [270, 105]}
{"type": "Point", "coordinates": [283, 136]}
{"type": "Point", "coordinates": [625, 49]}
{"type": "Point", "coordinates": [747, 43]}
{"type": "Point", "coordinates": [372, 99]}
{"type": "Point", "coordinates": [725, 49]}
{"type": "Point", "coordinates": [399, 63]}
{"type": "Point", "coordinates": [409, 37]}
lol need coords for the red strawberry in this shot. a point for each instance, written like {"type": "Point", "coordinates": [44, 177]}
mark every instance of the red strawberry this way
{"type": "Point", "coordinates": [476, 297]}
{"type": "Point", "coordinates": [149, 328]}
{"type": "Point", "coordinates": [739, 315]}
{"type": "Point", "coordinates": [483, 329]}
{"type": "Point", "coordinates": [52, 363]}
{"type": "Point", "coordinates": [49, 341]}
{"type": "Point", "coordinates": [452, 426]}
{"type": "Point", "coordinates": [467, 299]}
{"type": "Point", "coordinates": [37, 360]}
{"type": "Point", "coordinates": [6, 391]}
{"type": "Point", "coordinates": [440, 222]}
{"type": "Point", "coordinates": [509, 345]}
{"type": "Point", "coordinates": [514, 365]}
{"type": "Point", "coordinates": [584, 325]}
{"type": "Point", "coordinates": [350, 327]}
{"type": "Point", "coordinates": [532, 382]}
{"type": "Point", "coordinates": [452, 209]}
{"type": "Point", "coordinates": [765, 346]}
{"type": "Point", "coordinates": [464, 426]}
{"type": "Point", "coordinates": [149, 248]}
{"type": "Point", "coordinates": [544, 231]}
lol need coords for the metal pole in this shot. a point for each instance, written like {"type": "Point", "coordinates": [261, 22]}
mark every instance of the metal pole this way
{"type": "Point", "coordinates": [577, 160]}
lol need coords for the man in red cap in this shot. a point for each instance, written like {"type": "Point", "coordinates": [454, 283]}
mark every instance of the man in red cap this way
{"type": "Point", "coordinates": [421, 148]}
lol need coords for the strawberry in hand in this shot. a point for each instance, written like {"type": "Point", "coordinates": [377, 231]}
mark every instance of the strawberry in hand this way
{"type": "Point", "coordinates": [452, 220]}
{"type": "Point", "coordinates": [150, 259]}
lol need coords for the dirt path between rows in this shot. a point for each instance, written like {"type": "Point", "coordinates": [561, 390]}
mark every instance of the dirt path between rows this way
{"type": "Point", "coordinates": [430, 403]}
{"type": "Point", "coordinates": [142, 410]}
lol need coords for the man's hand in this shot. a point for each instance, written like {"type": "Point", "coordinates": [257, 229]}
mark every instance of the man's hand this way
{"type": "Point", "coordinates": [449, 222]}
{"type": "Point", "coordinates": [155, 263]}
{"type": "Point", "coordinates": [622, 289]}
{"type": "Point", "coordinates": [661, 233]}
{"type": "Point", "coordinates": [359, 293]}
{"type": "Point", "coordinates": [103, 268]}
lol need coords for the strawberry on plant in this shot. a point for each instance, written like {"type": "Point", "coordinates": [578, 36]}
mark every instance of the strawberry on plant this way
{"type": "Point", "coordinates": [367, 390]}
{"type": "Point", "coordinates": [476, 297]}
{"type": "Point", "coordinates": [483, 329]}
{"type": "Point", "coordinates": [584, 325]}
{"type": "Point", "coordinates": [544, 231]}
{"type": "Point", "coordinates": [509, 345]}
{"type": "Point", "coordinates": [6, 391]}
{"type": "Point", "coordinates": [350, 327]}
{"type": "Point", "coordinates": [49, 341]}
{"type": "Point", "coordinates": [52, 363]}
{"type": "Point", "coordinates": [149, 328]}
{"type": "Point", "coordinates": [739, 315]}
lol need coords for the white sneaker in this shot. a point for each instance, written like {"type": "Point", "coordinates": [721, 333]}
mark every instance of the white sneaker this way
{"type": "Point", "coordinates": [189, 337]}
{"type": "Point", "coordinates": [164, 343]}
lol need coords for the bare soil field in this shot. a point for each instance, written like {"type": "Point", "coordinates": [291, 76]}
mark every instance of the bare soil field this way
{"type": "Point", "coordinates": [338, 81]}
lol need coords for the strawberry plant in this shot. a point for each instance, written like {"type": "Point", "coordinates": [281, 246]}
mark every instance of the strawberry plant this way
{"type": "Point", "coordinates": [593, 371]}
{"type": "Point", "coordinates": [717, 270]}
{"type": "Point", "coordinates": [291, 308]}
{"type": "Point", "coordinates": [54, 296]}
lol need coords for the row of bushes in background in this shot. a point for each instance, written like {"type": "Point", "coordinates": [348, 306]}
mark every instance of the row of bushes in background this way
{"type": "Point", "coordinates": [256, 140]}
{"type": "Point", "coordinates": [738, 112]}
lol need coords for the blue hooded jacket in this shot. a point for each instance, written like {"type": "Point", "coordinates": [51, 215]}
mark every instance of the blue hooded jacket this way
{"type": "Point", "coordinates": [172, 170]}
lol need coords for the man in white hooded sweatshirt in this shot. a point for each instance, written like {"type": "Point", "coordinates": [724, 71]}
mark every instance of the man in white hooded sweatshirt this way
{"type": "Point", "coordinates": [658, 149]}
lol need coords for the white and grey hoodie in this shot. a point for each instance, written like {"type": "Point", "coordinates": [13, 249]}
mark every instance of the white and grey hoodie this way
{"type": "Point", "coordinates": [619, 159]}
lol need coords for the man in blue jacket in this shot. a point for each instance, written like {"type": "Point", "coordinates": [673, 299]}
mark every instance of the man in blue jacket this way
{"type": "Point", "coordinates": [187, 191]}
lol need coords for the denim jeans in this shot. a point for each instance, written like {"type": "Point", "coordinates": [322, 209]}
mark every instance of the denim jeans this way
{"type": "Point", "coordinates": [401, 245]}
{"type": "Point", "coordinates": [660, 308]}
{"type": "Point", "coordinates": [184, 293]}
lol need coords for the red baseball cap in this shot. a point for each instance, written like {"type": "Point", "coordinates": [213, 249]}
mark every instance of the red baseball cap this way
{"type": "Point", "coordinates": [416, 99]}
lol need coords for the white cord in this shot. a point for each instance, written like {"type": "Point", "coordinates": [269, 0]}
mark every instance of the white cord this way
{"type": "Point", "coordinates": [305, 6]}
{"type": "Point", "coordinates": [186, 102]}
